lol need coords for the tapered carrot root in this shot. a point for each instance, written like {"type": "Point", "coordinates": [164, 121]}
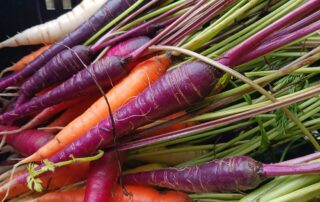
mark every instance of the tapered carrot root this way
{"type": "Point", "coordinates": [143, 75]}
{"type": "Point", "coordinates": [24, 61]}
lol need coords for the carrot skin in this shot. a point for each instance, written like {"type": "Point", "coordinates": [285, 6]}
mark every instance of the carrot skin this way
{"type": "Point", "coordinates": [141, 77]}
{"type": "Point", "coordinates": [102, 178]}
{"type": "Point", "coordinates": [60, 67]}
{"type": "Point", "coordinates": [107, 12]}
{"type": "Point", "coordinates": [225, 175]}
{"type": "Point", "coordinates": [107, 71]}
{"type": "Point", "coordinates": [27, 142]}
{"type": "Point", "coordinates": [174, 91]}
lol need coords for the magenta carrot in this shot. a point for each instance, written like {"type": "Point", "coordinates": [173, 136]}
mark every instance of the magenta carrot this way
{"type": "Point", "coordinates": [102, 178]}
{"type": "Point", "coordinates": [107, 12]}
{"type": "Point", "coordinates": [225, 175]}
{"type": "Point", "coordinates": [27, 142]}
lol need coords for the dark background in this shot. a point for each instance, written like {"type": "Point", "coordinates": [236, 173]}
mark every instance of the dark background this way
{"type": "Point", "coordinates": [17, 15]}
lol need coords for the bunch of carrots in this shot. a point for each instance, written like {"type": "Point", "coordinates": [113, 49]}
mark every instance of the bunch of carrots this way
{"type": "Point", "coordinates": [153, 100]}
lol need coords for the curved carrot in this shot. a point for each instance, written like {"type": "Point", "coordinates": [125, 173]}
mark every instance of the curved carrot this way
{"type": "Point", "coordinates": [140, 77]}
{"type": "Point", "coordinates": [61, 177]}
{"type": "Point", "coordinates": [139, 194]}
{"type": "Point", "coordinates": [73, 112]}
{"type": "Point", "coordinates": [24, 60]}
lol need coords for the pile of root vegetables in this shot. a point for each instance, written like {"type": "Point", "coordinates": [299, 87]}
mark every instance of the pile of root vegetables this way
{"type": "Point", "coordinates": [164, 100]}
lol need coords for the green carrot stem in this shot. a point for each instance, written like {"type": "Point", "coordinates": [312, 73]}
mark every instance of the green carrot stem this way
{"type": "Point", "coordinates": [212, 31]}
{"type": "Point", "coordinates": [298, 71]}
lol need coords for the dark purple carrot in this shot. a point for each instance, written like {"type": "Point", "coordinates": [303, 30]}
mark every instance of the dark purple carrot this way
{"type": "Point", "coordinates": [107, 71]}
{"type": "Point", "coordinates": [173, 92]}
{"type": "Point", "coordinates": [59, 68]}
{"type": "Point", "coordinates": [225, 175]}
{"type": "Point", "coordinates": [27, 142]}
{"type": "Point", "coordinates": [102, 178]}
{"type": "Point", "coordinates": [110, 10]}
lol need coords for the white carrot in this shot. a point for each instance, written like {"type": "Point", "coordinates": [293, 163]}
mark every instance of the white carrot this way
{"type": "Point", "coordinates": [54, 30]}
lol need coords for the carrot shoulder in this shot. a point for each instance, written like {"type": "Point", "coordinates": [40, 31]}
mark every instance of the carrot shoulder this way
{"type": "Point", "coordinates": [140, 77]}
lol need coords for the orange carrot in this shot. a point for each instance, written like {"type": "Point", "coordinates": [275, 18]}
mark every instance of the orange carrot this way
{"type": "Point", "coordinates": [147, 194]}
{"type": "Point", "coordinates": [140, 77]}
{"type": "Point", "coordinates": [137, 194]}
{"type": "Point", "coordinates": [75, 195]}
{"type": "Point", "coordinates": [25, 60]}
{"type": "Point", "coordinates": [61, 177]}
{"type": "Point", "coordinates": [73, 112]}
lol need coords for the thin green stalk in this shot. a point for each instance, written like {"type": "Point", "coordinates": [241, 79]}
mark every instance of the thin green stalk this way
{"type": "Point", "coordinates": [304, 194]}
{"type": "Point", "coordinates": [113, 22]}
{"type": "Point", "coordinates": [212, 31]}
{"type": "Point", "coordinates": [298, 71]}
{"type": "Point", "coordinates": [279, 187]}
{"type": "Point", "coordinates": [222, 196]}
{"type": "Point", "coordinates": [152, 14]}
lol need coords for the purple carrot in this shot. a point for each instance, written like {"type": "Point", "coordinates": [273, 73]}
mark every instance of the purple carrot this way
{"type": "Point", "coordinates": [232, 174]}
{"type": "Point", "coordinates": [110, 10]}
{"type": "Point", "coordinates": [173, 92]}
{"type": "Point", "coordinates": [125, 48]}
{"type": "Point", "coordinates": [59, 68]}
{"type": "Point", "coordinates": [107, 71]}
{"type": "Point", "coordinates": [27, 142]}
{"type": "Point", "coordinates": [230, 57]}
{"type": "Point", "coordinates": [102, 178]}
